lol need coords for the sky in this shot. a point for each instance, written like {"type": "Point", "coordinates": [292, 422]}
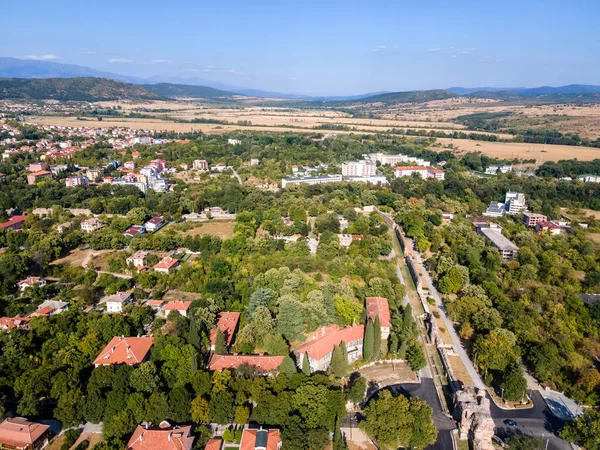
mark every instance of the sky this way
{"type": "Point", "coordinates": [317, 47]}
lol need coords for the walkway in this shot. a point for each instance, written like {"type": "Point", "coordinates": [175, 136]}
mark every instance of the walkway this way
{"type": "Point", "coordinates": [456, 342]}
{"type": "Point", "coordinates": [559, 404]}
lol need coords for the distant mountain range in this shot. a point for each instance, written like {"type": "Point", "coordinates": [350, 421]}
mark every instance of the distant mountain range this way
{"type": "Point", "coordinates": [168, 86]}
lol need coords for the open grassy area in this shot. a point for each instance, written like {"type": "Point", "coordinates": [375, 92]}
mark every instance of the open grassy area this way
{"type": "Point", "coordinates": [222, 229]}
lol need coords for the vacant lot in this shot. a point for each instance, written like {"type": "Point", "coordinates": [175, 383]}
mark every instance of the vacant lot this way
{"type": "Point", "coordinates": [77, 257]}
{"type": "Point", "coordinates": [388, 373]}
{"type": "Point", "coordinates": [514, 150]}
{"type": "Point", "coordinates": [222, 229]}
{"type": "Point", "coordinates": [174, 295]}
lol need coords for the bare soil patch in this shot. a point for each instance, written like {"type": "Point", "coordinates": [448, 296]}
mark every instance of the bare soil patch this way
{"type": "Point", "coordinates": [388, 373]}
{"type": "Point", "coordinates": [222, 229]}
{"type": "Point", "coordinates": [460, 371]}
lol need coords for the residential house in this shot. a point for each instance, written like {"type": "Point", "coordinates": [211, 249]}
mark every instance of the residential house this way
{"type": "Point", "coordinates": [494, 235]}
{"type": "Point", "coordinates": [21, 434]}
{"type": "Point", "coordinates": [261, 363]}
{"type": "Point", "coordinates": [94, 174]}
{"type": "Point", "coordinates": [91, 225]}
{"type": "Point", "coordinates": [347, 239]}
{"type": "Point", "coordinates": [158, 438]}
{"type": "Point", "coordinates": [14, 223]}
{"type": "Point", "coordinates": [130, 165]}
{"type": "Point", "coordinates": [215, 443]}
{"type": "Point", "coordinates": [34, 177]}
{"type": "Point", "coordinates": [531, 220]}
{"type": "Point", "coordinates": [227, 322]}
{"type": "Point", "coordinates": [200, 164]}
{"type": "Point", "coordinates": [63, 227]}
{"type": "Point", "coordinates": [180, 306]}
{"type": "Point", "coordinates": [138, 259]}
{"type": "Point", "coordinates": [8, 323]}
{"type": "Point", "coordinates": [548, 227]}
{"type": "Point", "coordinates": [37, 166]}
{"type": "Point", "coordinates": [50, 308]}
{"type": "Point", "coordinates": [422, 171]}
{"type": "Point", "coordinates": [153, 224]}
{"type": "Point", "coordinates": [379, 307]}
{"type": "Point", "coordinates": [135, 154]}
{"type": "Point", "coordinates": [166, 265]}
{"type": "Point", "coordinates": [260, 440]}
{"type": "Point", "coordinates": [125, 350]}
{"type": "Point", "coordinates": [76, 181]}
{"type": "Point", "coordinates": [30, 282]}
{"type": "Point", "coordinates": [114, 303]}
{"type": "Point", "coordinates": [319, 346]}
{"type": "Point", "coordinates": [134, 230]}
{"type": "Point", "coordinates": [495, 209]}
{"type": "Point", "coordinates": [254, 161]}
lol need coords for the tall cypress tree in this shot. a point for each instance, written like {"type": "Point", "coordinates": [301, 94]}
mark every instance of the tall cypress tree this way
{"type": "Point", "coordinates": [193, 335]}
{"type": "Point", "coordinates": [368, 342]}
{"type": "Point", "coordinates": [220, 346]}
{"type": "Point", "coordinates": [305, 365]}
{"type": "Point", "coordinates": [339, 360]}
{"type": "Point", "coordinates": [377, 338]}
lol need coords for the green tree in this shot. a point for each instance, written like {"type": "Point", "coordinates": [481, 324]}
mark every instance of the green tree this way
{"type": "Point", "coordinates": [369, 341]}
{"type": "Point", "coordinates": [241, 415]}
{"type": "Point", "coordinates": [496, 350]}
{"type": "Point", "coordinates": [145, 378]}
{"type": "Point", "coordinates": [305, 365]}
{"type": "Point", "coordinates": [525, 442]}
{"type": "Point", "coordinates": [220, 345]}
{"type": "Point", "coordinates": [356, 394]}
{"type": "Point", "coordinates": [415, 357]}
{"type": "Point", "coordinates": [584, 431]}
{"type": "Point", "coordinates": [339, 360]}
{"type": "Point", "coordinates": [288, 366]}
{"type": "Point", "coordinates": [514, 384]}
{"type": "Point", "coordinates": [193, 333]}
{"type": "Point", "coordinates": [199, 410]}
{"type": "Point", "coordinates": [376, 338]}
{"type": "Point", "coordinates": [221, 407]}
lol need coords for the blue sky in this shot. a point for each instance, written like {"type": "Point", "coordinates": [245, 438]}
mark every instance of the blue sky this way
{"type": "Point", "coordinates": [317, 47]}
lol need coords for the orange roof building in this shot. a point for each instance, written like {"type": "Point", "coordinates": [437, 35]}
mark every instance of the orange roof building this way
{"type": "Point", "coordinates": [166, 264]}
{"type": "Point", "coordinates": [125, 350]}
{"type": "Point", "coordinates": [171, 438]}
{"type": "Point", "coordinates": [319, 345]}
{"type": "Point", "coordinates": [214, 444]}
{"type": "Point", "coordinates": [379, 307]}
{"type": "Point", "coordinates": [177, 305]}
{"type": "Point", "coordinates": [260, 439]}
{"type": "Point", "coordinates": [8, 323]}
{"type": "Point", "coordinates": [262, 363]}
{"type": "Point", "coordinates": [21, 434]}
{"type": "Point", "coordinates": [32, 178]}
{"type": "Point", "coordinates": [227, 323]}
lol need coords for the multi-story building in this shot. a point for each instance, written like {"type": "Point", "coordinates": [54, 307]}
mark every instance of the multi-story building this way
{"type": "Point", "coordinates": [37, 166]}
{"type": "Point", "coordinates": [319, 346]}
{"type": "Point", "coordinates": [494, 235]}
{"type": "Point", "coordinates": [495, 209]}
{"type": "Point", "coordinates": [395, 159]}
{"type": "Point", "coordinates": [422, 171]}
{"type": "Point", "coordinates": [34, 177]}
{"type": "Point", "coordinates": [515, 202]}
{"type": "Point", "coordinates": [311, 180]}
{"type": "Point", "coordinates": [21, 434]}
{"type": "Point", "coordinates": [365, 168]}
{"type": "Point", "coordinates": [260, 363]}
{"type": "Point", "coordinates": [138, 259]}
{"type": "Point", "coordinates": [91, 225]}
{"type": "Point", "coordinates": [76, 181]}
{"type": "Point", "coordinates": [531, 220]}
{"type": "Point", "coordinates": [114, 303]}
{"type": "Point", "coordinates": [200, 164]}
{"type": "Point", "coordinates": [125, 182]}
{"type": "Point", "coordinates": [379, 307]}
{"type": "Point", "coordinates": [94, 174]}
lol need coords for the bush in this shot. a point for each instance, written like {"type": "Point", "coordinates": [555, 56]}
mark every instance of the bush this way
{"type": "Point", "coordinates": [70, 438]}
{"type": "Point", "coordinates": [431, 300]}
{"type": "Point", "coordinates": [83, 445]}
{"type": "Point", "coordinates": [436, 314]}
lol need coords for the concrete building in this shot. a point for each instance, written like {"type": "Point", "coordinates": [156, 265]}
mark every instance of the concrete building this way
{"type": "Point", "coordinates": [34, 177]}
{"type": "Point", "coordinates": [422, 171]}
{"type": "Point", "coordinates": [494, 235]}
{"type": "Point", "coordinates": [14, 223]}
{"type": "Point", "coordinates": [515, 202]}
{"type": "Point", "coordinates": [260, 363]}
{"type": "Point", "coordinates": [200, 164]}
{"type": "Point", "coordinates": [311, 180]}
{"type": "Point", "coordinates": [166, 265]}
{"type": "Point", "coordinates": [548, 227]}
{"type": "Point", "coordinates": [37, 166]}
{"type": "Point", "coordinates": [91, 225]}
{"type": "Point", "coordinates": [395, 159]}
{"type": "Point", "coordinates": [379, 307]}
{"type": "Point", "coordinates": [375, 179]}
{"type": "Point", "coordinates": [153, 224]}
{"type": "Point", "coordinates": [319, 346]}
{"type": "Point", "coordinates": [50, 308]}
{"type": "Point", "coordinates": [114, 303]}
{"type": "Point", "coordinates": [134, 230]}
{"type": "Point", "coordinates": [76, 181]}
{"type": "Point", "coordinates": [125, 182]}
{"type": "Point", "coordinates": [180, 306]}
{"type": "Point", "coordinates": [359, 168]}
{"type": "Point", "coordinates": [30, 282]}
{"type": "Point", "coordinates": [495, 209]}
{"type": "Point", "coordinates": [138, 259]}
{"type": "Point", "coordinates": [531, 220]}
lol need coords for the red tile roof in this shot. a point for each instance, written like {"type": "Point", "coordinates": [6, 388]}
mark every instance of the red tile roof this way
{"type": "Point", "coordinates": [249, 439]}
{"type": "Point", "coordinates": [227, 323]}
{"type": "Point", "coordinates": [412, 168]}
{"type": "Point", "coordinates": [155, 220]}
{"type": "Point", "coordinates": [323, 341]}
{"type": "Point", "coordinates": [214, 444]}
{"type": "Point", "coordinates": [125, 350]}
{"type": "Point", "coordinates": [263, 363]}
{"type": "Point", "coordinates": [378, 306]}
{"type": "Point", "coordinates": [12, 322]}
{"type": "Point", "coordinates": [172, 438]}
{"type": "Point", "coordinates": [43, 312]}
{"type": "Point", "coordinates": [29, 281]}
{"type": "Point", "coordinates": [178, 305]}
{"type": "Point", "coordinates": [41, 173]}
{"type": "Point", "coordinates": [14, 220]}
{"type": "Point", "coordinates": [550, 225]}
{"type": "Point", "coordinates": [20, 432]}
{"type": "Point", "coordinates": [167, 263]}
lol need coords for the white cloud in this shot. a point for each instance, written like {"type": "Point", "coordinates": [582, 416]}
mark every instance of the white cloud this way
{"type": "Point", "coordinates": [159, 61]}
{"type": "Point", "coordinates": [433, 50]}
{"type": "Point", "coordinates": [386, 48]}
{"type": "Point", "coordinates": [120, 60]}
{"type": "Point", "coordinates": [47, 57]}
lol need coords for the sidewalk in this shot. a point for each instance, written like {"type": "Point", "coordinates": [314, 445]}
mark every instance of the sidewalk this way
{"type": "Point", "coordinates": [559, 404]}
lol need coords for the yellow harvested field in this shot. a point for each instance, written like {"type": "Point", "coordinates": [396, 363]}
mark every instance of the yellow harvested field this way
{"type": "Point", "coordinates": [516, 150]}
{"type": "Point", "coordinates": [222, 229]}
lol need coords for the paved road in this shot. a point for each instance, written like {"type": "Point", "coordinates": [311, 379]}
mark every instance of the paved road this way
{"type": "Point", "coordinates": [537, 421]}
{"type": "Point", "coordinates": [456, 342]}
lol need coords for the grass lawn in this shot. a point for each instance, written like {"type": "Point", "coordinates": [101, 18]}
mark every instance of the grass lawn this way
{"type": "Point", "coordinates": [222, 229]}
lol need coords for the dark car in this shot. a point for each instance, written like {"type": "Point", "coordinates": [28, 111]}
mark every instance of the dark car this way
{"type": "Point", "coordinates": [510, 423]}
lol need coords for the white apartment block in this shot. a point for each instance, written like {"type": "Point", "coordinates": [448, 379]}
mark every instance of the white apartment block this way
{"type": "Point", "coordinates": [395, 159]}
{"type": "Point", "coordinates": [515, 202]}
{"type": "Point", "coordinates": [365, 168]}
{"type": "Point", "coordinates": [311, 180]}
{"type": "Point", "coordinates": [422, 171]}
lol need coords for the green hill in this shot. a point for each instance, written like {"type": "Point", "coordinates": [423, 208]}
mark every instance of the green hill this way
{"type": "Point", "coordinates": [408, 97]}
{"type": "Point", "coordinates": [75, 89]}
{"type": "Point", "coordinates": [186, 91]}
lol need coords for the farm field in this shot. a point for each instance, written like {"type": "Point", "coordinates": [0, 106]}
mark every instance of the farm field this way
{"type": "Point", "coordinates": [512, 150]}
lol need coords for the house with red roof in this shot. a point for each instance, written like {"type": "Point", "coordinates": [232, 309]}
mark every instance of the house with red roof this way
{"type": "Point", "coordinates": [134, 230]}
{"type": "Point", "coordinates": [30, 282]}
{"type": "Point", "coordinates": [50, 307]}
{"type": "Point", "coordinates": [168, 438]}
{"type": "Point", "coordinates": [14, 223]}
{"type": "Point", "coordinates": [319, 346]}
{"type": "Point", "coordinates": [21, 434]}
{"type": "Point", "coordinates": [227, 323]}
{"type": "Point", "coordinates": [37, 166]}
{"type": "Point", "coordinates": [379, 307]}
{"type": "Point", "coordinates": [548, 227]}
{"type": "Point", "coordinates": [8, 323]}
{"type": "Point", "coordinates": [180, 306]}
{"type": "Point", "coordinates": [214, 444]}
{"type": "Point", "coordinates": [154, 224]}
{"type": "Point", "coordinates": [260, 440]}
{"type": "Point", "coordinates": [261, 363]}
{"type": "Point", "coordinates": [125, 350]}
{"type": "Point", "coordinates": [166, 265]}
{"type": "Point", "coordinates": [34, 177]}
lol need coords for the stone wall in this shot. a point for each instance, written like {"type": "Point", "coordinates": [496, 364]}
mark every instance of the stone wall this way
{"type": "Point", "coordinates": [472, 412]}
